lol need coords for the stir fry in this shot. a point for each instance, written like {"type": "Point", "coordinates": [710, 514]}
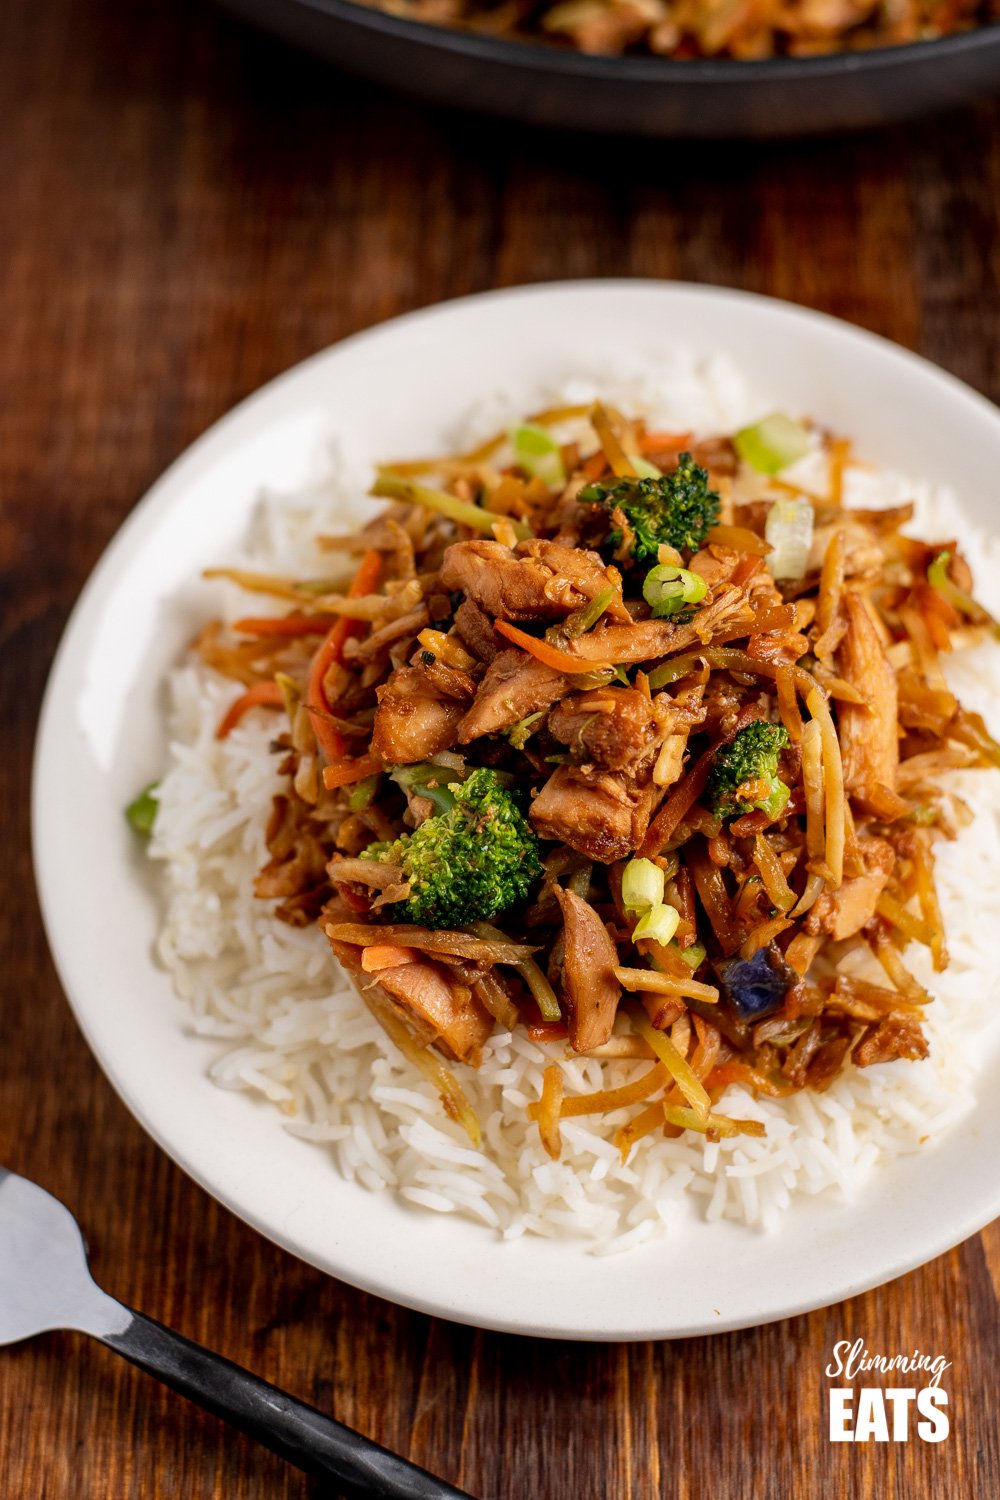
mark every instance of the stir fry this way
{"type": "Point", "coordinates": [627, 742]}
{"type": "Point", "coordinates": [706, 28]}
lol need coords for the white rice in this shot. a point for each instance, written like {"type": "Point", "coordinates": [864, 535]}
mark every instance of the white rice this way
{"type": "Point", "coordinates": [292, 1028]}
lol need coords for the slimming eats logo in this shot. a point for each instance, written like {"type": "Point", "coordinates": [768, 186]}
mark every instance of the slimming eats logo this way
{"type": "Point", "coordinates": [887, 1413]}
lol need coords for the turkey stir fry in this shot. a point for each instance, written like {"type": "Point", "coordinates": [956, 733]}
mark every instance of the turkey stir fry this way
{"type": "Point", "coordinates": [622, 739]}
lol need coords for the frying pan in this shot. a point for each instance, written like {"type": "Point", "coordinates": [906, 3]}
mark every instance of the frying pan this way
{"type": "Point", "coordinates": [544, 85]}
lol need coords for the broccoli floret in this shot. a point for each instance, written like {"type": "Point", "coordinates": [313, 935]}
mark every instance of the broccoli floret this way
{"type": "Point", "coordinates": [677, 509]}
{"type": "Point", "coordinates": [469, 862]}
{"type": "Point", "coordinates": [744, 774]}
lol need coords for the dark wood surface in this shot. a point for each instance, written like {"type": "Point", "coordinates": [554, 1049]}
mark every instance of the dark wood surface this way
{"type": "Point", "coordinates": [186, 208]}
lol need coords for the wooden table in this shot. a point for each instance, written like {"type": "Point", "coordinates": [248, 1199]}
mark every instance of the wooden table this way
{"type": "Point", "coordinates": [187, 209]}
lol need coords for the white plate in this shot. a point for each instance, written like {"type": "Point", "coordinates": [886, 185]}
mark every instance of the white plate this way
{"type": "Point", "coordinates": [397, 389]}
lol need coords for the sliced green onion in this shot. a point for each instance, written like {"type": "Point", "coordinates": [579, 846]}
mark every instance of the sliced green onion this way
{"type": "Point", "coordinates": [519, 734]}
{"type": "Point", "coordinates": [363, 794]}
{"type": "Point", "coordinates": [772, 444]}
{"type": "Point", "coordinates": [789, 531]}
{"type": "Point", "coordinates": [939, 580]}
{"type": "Point", "coordinates": [642, 886]}
{"type": "Point", "coordinates": [538, 454]}
{"type": "Point", "coordinates": [141, 813]}
{"type": "Point", "coordinates": [669, 672]}
{"type": "Point", "coordinates": [694, 956]}
{"type": "Point", "coordinates": [658, 923]}
{"type": "Point", "coordinates": [668, 589]}
{"type": "Point", "coordinates": [392, 487]}
{"type": "Point", "coordinates": [581, 620]}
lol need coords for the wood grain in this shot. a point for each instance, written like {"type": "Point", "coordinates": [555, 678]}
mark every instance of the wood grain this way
{"type": "Point", "coordinates": [187, 209]}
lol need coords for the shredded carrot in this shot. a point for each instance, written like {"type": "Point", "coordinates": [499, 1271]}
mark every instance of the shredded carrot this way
{"type": "Point", "coordinates": [644, 1123]}
{"type": "Point", "coordinates": [290, 625]}
{"type": "Point", "coordinates": [711, 1125]}
{"type": "Point", "coordinates": [606, 1100]}
{"type": "Point", "coordinates": [261, 695]}
{"type": "Point", "coordinates": [614, 451]}
{"type": "Point", "coordinates": [551, 656]}
{"type": "Point", "coordinates": [840, 457]}
{"type": "Point", "coordinates": [738, 539]}
{"type": "Point", "coordinates": [327, 735]}
{"type": "Point", "coordinates": [663, 442]}
{"type": "Point", "coordinates": [387, 956]}
{"type": "Point", "coordinates": [548, 1111]}
{"type": "Point", "coordinates": [346, 772]}
{"type": "Point", "coordinates": [764, 934]}
{"type": "Point", "coordinates": [548, 1031]}
{"type": "Point", "coordinates": [678, 805]}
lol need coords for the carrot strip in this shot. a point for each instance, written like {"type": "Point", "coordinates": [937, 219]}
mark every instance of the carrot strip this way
{"type": "Point", "coordinates": [551, 656]}
{"type": "Point", "coordinates": [714, 1126]}
{"type": "Point", "coordinates": [327, 736]}
{"type": "Point", "coordinates": [606, 1100]}
{"type": "Point", "coordinates": [346, 772]}
{"type": "Point", "coordinates": [644, 1123]}
{"type": "Point", "coordinates": [548, 1111]}
{"type": "Point", "coordinates": [386, 956]}
{"type": "Point", "coordinates": [677, 805]}
{"type": "Point", "coordinates": [548, 1031]}
{"type": "Point", "coordinates": [663, 442]}
{"type": "Point", "coordinates": [614, 451]}
{"type": "Point", "coordinates": [738, 538]}
{"type": "Point", "coordinates": [261, 695]}
{"type": "Point", "coordinates": [290, 625]}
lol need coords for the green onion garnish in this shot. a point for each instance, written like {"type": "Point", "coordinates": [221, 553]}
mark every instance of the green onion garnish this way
{"type": "Point", "coordinates": [658, 924]}
{"type": "Point", "coordinates": [694, 956]}
{"type": "Point", "coordinates": [538, 454]}
{"type": "Point", "coordinates": [362, 795]}
{"type": "Point", "coordinates": [940, 580]}
{"type": "Point", "coordinates": [667, 589]}
{"type": "Point", "coordinates": [142, 812]}
{"type": "Point", "coordinates": [642, 885]}
{"type": "Point", "coordinates": [772, 444]}
{"type": "Point", "coordinates": [519, 733]}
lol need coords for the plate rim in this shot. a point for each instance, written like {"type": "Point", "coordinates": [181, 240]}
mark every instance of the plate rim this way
{"type": "Point", "coordinates": [939, 1240]}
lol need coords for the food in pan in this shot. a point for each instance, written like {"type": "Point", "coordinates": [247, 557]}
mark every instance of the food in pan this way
{"type": "Point", "coordinates": [612, 762]}
{"type": "Point", "coordinates": [705, 28]}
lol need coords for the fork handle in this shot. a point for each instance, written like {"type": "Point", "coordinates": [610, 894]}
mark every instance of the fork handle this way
{"type": "Point", "coordinates": [299, 1433]}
